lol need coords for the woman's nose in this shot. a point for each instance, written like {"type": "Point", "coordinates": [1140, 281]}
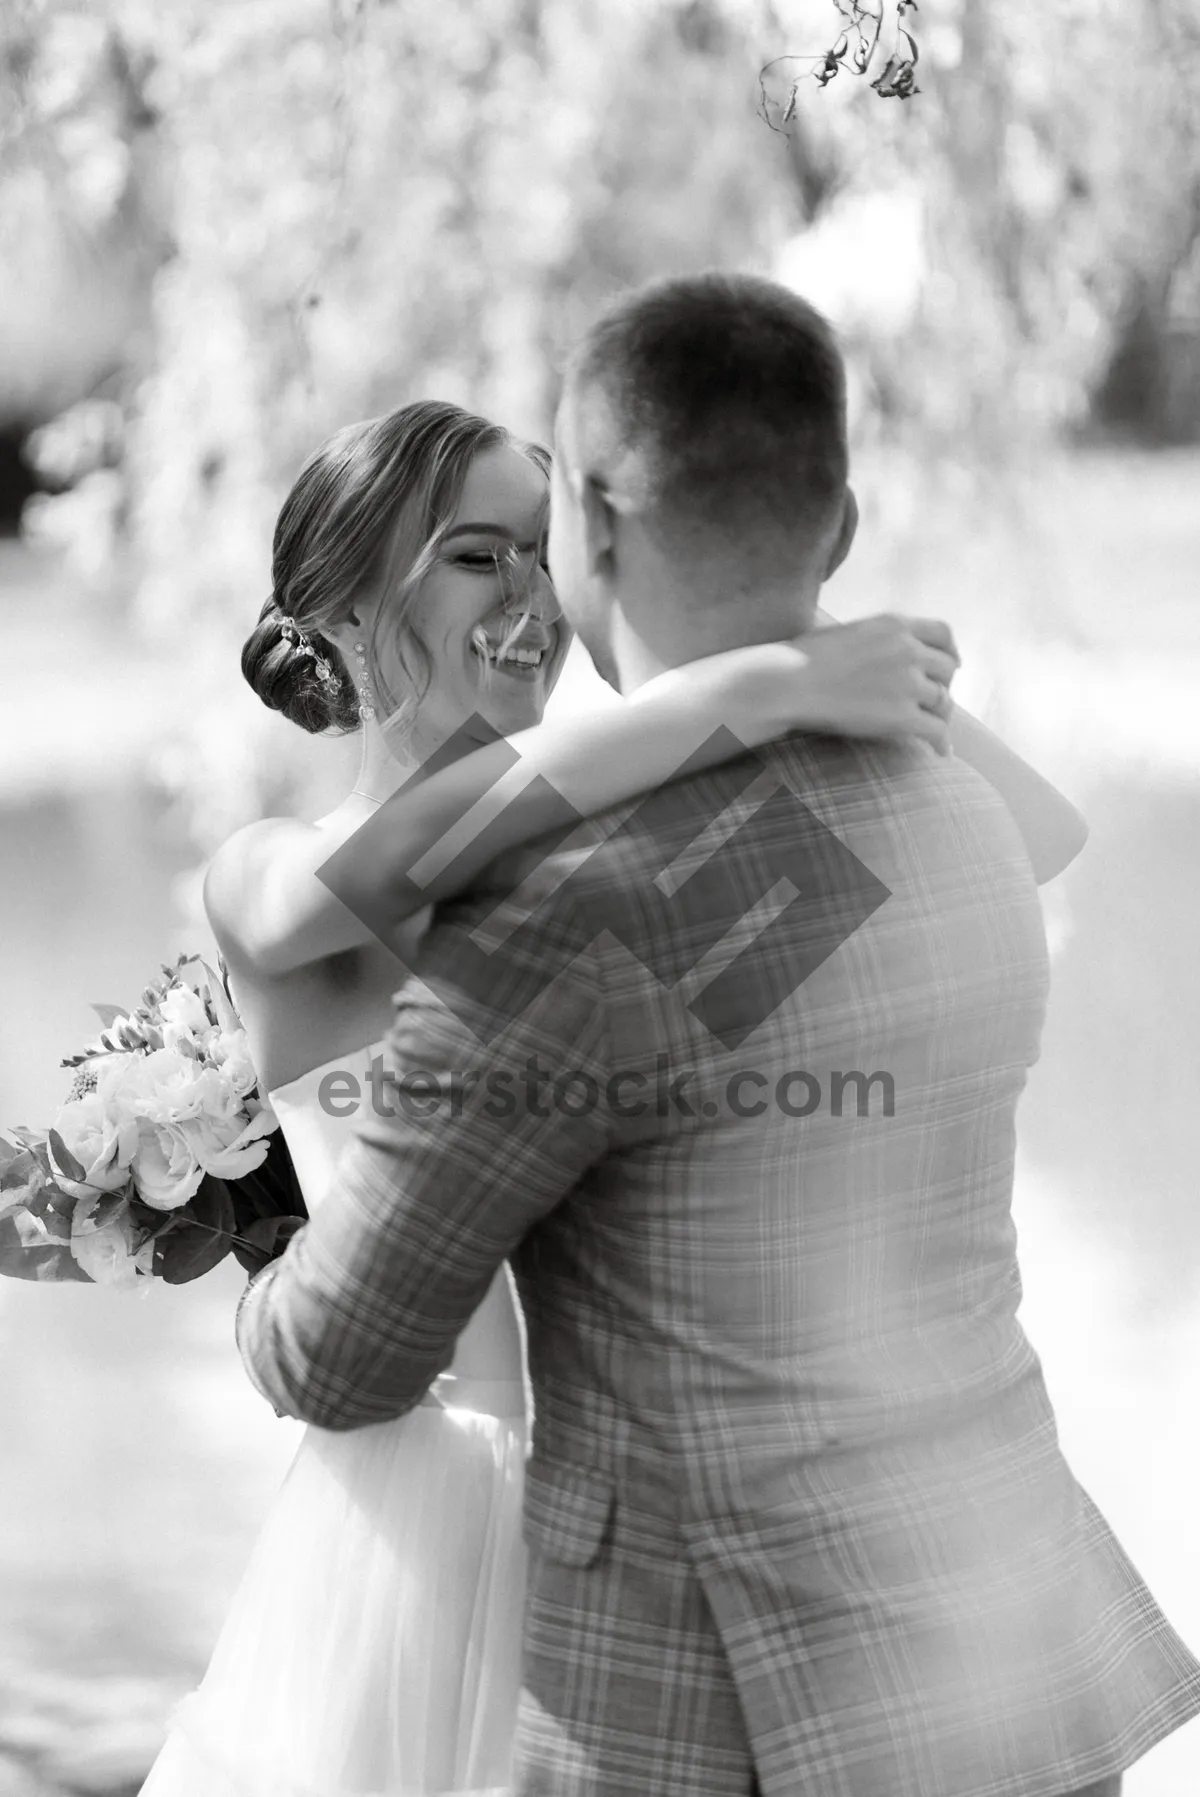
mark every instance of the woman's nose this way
{"type": "Point", "coordinates": [534, 594]}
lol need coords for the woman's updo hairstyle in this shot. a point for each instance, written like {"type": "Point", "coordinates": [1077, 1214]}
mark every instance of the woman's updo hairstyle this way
{"type": "Point", "coordinates": [368, 509]}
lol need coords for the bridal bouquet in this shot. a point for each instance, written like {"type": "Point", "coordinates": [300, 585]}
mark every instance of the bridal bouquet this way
{"type": "Point", "coordinates": [163, 1157]}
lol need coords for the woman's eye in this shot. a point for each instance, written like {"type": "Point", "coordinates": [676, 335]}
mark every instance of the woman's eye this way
{"type": "Point", "coordinates": [481, 560]}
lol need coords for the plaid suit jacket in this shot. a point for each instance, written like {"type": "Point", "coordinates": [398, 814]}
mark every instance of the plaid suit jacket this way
{"type": "Point", "coordinates": [795, 1502]}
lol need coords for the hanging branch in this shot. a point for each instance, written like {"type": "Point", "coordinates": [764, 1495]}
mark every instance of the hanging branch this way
{"type": "Point", "coordinates": [852, 50]}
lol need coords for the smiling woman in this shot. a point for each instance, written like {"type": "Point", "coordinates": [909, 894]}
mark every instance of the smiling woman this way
{"type": "Point", "coordinates": [486, 613]}
{"type": "Point", "coordinates": [401, 536]}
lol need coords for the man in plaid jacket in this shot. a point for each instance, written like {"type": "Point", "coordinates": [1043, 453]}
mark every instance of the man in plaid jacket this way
{"type": "Point", "coordinates": [798, 1516]}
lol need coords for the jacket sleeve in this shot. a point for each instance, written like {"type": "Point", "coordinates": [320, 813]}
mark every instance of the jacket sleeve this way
{"type": "Point", "coordinates": [496, 1068]}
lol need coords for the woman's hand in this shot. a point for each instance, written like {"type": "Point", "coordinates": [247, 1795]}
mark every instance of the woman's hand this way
{"type": "Point", "coordinates": [881, 676]}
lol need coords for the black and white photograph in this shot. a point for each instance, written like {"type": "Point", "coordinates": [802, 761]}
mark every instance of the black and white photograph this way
{"type": "Point", "coordinates": [599, 840]}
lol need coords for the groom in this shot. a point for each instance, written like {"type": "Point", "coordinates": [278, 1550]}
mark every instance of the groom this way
{"type": "Point", "coordinates": [797, 1514]}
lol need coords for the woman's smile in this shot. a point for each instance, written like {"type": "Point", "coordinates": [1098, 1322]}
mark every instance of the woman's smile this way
{"type": "Point", "coordinates": [521, 656]}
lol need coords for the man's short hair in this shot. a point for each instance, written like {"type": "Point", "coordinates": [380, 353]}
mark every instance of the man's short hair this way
{"type": "Point", "coordinates": [730, 392]}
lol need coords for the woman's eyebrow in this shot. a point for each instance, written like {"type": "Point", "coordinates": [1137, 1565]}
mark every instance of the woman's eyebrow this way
{"type": "Point", "coordinates": [499, 530]}
{"type": "Point", "coordinates": [477, 530]}
{"type": "Point", "coordinates": [483, 529]}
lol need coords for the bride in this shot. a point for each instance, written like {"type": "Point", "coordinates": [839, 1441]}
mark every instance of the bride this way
{"type": "Point", "coordinates": [373, 1649]}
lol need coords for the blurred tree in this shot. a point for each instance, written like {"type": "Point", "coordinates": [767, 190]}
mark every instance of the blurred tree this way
{"type": "Point", "coordinates": [1151, 384]}
{"type": "Point", "coordinates": [82, 230]}
{"type": "Point", "coordinates": [374, 199]}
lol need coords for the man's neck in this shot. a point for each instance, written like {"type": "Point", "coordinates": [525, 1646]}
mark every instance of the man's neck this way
{"type": "Point", "coordinates": [679, 636]}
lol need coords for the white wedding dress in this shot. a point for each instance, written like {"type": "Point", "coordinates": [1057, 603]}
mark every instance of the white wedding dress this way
{"type": "Point", "coordinates": [374, 1646]}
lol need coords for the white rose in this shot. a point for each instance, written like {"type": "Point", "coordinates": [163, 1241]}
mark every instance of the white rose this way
{"type": "Point", "coordinates": [117, 1081]}
{"type": "Point", "coordinates": [102, 1137]}
{"type": "Point", "coordinates": [208, 1094]}
{"type": "Point", "coordinates": [125, 1083]}
{"type": "Point", "coordinates": [165, 1167]}
{"type": "Point", "coordinates": [230, 1051]}
{"type": "Point", "coordinates": [167, 1087]}
{"type": "Point", "coordinates": [228, 1154]}
{"type": "Point", "coordinates": [106, 1254]}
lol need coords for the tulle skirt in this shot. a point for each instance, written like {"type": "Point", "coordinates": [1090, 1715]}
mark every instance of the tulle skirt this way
{"type": "Point", "coordinates": [374, 1646]}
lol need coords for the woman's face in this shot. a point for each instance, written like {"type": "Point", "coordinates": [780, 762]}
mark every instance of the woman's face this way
{"type": "Point", "coordinates": [490, 567]}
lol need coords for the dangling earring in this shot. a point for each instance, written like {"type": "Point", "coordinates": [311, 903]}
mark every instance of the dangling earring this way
{"type": "Point", "coordinates": [366, 698]}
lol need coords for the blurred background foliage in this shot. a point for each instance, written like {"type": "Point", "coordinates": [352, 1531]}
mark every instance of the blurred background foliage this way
{"type": "Point", "coordinates": [231, 226]}
{"type": "Point", "coordinates": [228, 227]}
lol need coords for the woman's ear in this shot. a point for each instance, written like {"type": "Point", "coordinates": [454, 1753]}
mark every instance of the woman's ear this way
{"type": "Point", "coordinates": [345, 633]}
{"type": "Point", "coordinates": [845, 535]}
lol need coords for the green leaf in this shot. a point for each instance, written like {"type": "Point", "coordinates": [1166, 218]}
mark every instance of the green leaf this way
{"type": "Point", "coordinates": [109, 1206]}
{"type": "Point", "coordinates": [263, 1241]}
{"type": "Point", "coordinates": [108, 1014]}
{"type": "Point", "coordinates": [37, 1200]}
{"type": "Point", "coordinates": [201, 1237]}
{"type": "Point", "coordinates": [31, 1231]}
{"type": "Point", "coordinates": [42, 1229]}
{"type": "Point", "coordinates": [61, 1203]}
{"type": "Point", "coordinates": [64, 1160]}
{"type": "Point", "coordinates": [12, 1202]}
{"type": "Point", "coordinates": [18, 1172]}
{"type": "Point", "coordinates": [54, 1264]}
{"type": "Point", "coordinates": [149, 1223]}
{"type": "Point", "coordinates": [34, 1144]}
{"type": "Point", "coordinates": [9, 1151]}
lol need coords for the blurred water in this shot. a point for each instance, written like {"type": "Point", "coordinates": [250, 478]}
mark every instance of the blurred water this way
{"type": "Point", "coordinates": [1106, 1196]}
{"type": "Point", "coordinates": [136, 1459]}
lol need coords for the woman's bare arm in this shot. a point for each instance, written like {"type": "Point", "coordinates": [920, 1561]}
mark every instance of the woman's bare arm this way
{"type": "Point", "coordinates": [267, 906]}
{"type": "Point", "coordinates": [282, 895]}
{"type": "Point", "coordinates": [1052, 829]}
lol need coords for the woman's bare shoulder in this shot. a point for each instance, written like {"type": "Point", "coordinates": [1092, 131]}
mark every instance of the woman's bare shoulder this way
{"type": "Point", "coordinates": [259, 846]}
{"type": "Point", "coordinates": [249, 864]}
{"type": "Point", "coordinates": [268, 903]}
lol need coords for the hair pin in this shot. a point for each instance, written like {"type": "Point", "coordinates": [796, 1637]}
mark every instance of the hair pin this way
{"type": "Point", "coordinates": [292, 633]}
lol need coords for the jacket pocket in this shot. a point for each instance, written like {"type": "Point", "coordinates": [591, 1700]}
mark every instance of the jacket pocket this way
{"type": "Point", "coordinates": [567, 1511]}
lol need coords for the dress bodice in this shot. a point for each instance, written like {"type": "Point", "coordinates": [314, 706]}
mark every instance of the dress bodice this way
{"type": "Point", "coordinates": [487, 1372]}
{"type": "Point", "coordinates": [314, 1132]}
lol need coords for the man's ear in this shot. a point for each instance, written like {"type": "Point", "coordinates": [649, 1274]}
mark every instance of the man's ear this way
{"type": "Point", "coordinates": [599, 524]}
{"type": "Point", "coordinates": [845, 535]}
